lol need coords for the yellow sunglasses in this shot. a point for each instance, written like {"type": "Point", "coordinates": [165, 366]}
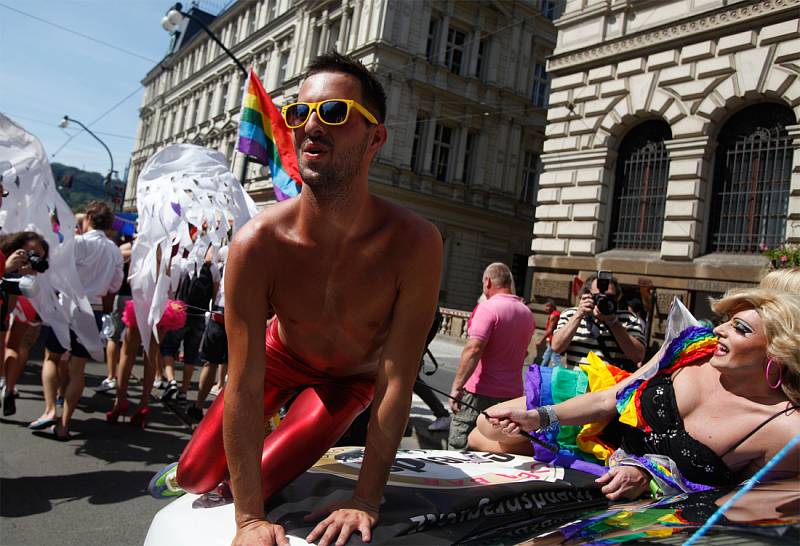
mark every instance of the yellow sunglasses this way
{"type": "Point", "coordinates": [330, 112]}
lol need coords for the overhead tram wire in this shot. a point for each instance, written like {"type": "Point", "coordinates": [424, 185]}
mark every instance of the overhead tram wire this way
{"type": "Point", "coordinates": [75, 32]}
{"type": "Point", "coordinates": [51, 124]}
{"type": "Point", "coordinates": [104, 114]}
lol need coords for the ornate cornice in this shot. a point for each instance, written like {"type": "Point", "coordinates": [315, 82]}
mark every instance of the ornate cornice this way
{"type": "Point", "coordinates": [667, 34]}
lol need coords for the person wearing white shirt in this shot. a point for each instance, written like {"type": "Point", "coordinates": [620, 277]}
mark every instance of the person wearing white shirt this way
{"type": "Point", "coordinates": [99, 264]}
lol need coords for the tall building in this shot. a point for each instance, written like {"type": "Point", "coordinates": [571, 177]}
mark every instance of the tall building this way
{"type": "Point", "coordinates": [466, 87]}
{"type": "Point", "coordinates": [672, 155]}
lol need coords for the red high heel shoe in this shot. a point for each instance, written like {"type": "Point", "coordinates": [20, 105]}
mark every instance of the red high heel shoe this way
{"type": "Point", "coordinates": [116, 411]}
{"type": "Point", "coordinates": [139, 418]}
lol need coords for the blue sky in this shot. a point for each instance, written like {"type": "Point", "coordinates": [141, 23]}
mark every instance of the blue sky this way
{"type": "Point", "coordinates": [46, 72]}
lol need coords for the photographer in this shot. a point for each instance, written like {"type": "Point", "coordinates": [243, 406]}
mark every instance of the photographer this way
{"type": "Point", "coordinates": [26, 253]}
{"type": "Point", "coordinates": [598, 324]}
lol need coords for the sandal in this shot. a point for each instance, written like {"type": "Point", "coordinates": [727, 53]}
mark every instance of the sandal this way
{"type": "Point", "coordinates": [42, 422]}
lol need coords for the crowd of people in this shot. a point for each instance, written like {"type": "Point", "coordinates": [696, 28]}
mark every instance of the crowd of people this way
{"type": "Point", "coordinates": [344, 290]}
{"type": "Point", "coordinates": [103, 268]}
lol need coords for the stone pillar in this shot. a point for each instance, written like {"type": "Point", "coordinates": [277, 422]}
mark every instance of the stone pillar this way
{"type": "Point", "coordinates": [684, 212]}
{"type": "Point", "coordinates": [472, 54]}
{"type": "Point", "coordinates": [793, 219]}
{"type": "Point", "coordinates": [440, 51]}
{"type": "Point", "coordinates": [352, 41]}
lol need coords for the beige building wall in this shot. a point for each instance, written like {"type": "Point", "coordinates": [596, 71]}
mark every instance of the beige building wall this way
{"type": "Point", "coordinates": [481, 200]}
{"type": "Point", "coordinates": [691, 63]}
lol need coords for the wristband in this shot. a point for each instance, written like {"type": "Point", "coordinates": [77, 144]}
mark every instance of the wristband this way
{"type": "Point", "coordinates": [548, 420]}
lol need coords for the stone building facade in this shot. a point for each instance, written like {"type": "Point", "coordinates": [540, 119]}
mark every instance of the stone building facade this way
{"type": "Point", "coordinates": [467, 91]}
{"type": "Point", "coordinates": [671, 154]}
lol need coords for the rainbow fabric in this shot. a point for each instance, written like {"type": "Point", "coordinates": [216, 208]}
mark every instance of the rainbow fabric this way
{"type": "Point", "coordinates": [263, 134]}
{"type": "Point", "coordinates": [693, 344]}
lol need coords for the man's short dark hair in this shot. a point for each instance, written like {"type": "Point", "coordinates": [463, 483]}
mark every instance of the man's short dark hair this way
{"type": "Point", "coordinates": [372, 92]}
{"type": "Point", "coordinates": [99, 215]}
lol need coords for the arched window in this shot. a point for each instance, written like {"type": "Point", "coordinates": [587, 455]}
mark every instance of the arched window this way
{"type": "Point", "coordinates": [640, 188]}
{"type": "Point", "coordinates": [751, 180]}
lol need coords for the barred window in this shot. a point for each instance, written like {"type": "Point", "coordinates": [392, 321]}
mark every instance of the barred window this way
{"type": "Point", "coordinates": [751, 180]}
{"type": "Point", "coordinates": [640, 188]}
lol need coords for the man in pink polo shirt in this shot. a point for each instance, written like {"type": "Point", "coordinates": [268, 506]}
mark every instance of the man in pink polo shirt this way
{"type": "Point", "coordinates": [490, 371]}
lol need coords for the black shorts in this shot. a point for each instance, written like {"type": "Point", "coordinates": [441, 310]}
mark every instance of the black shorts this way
{"type": "Point", "coordinates": [53, 345]}
{"type": "Point", "coordinates": [215, 343]}
{"type": "Point", "coordinates": [191, 335]}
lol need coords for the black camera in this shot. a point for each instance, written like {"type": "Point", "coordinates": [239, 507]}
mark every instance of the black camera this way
{"type": "Point", "coordinates": [606, 304]}
{"type": "Point", "coordinates": [37, 263]}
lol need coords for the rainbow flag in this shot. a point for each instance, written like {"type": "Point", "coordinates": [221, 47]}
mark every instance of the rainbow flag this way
{"type": "Point", "coordinates": [263, 134]}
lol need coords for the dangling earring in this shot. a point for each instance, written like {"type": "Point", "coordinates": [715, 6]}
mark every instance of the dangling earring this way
{"type": "Point", "coordinates": [780, 374]}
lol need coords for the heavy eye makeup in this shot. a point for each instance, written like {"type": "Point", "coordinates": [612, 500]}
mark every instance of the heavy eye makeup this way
{"type": "Point", "coordinates": [742, 327]}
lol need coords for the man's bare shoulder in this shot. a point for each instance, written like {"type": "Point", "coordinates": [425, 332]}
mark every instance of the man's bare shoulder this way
{"type": "Point", "coordinates": [259, 234]}
{"type": "Point", "coordinates": [410, 226]}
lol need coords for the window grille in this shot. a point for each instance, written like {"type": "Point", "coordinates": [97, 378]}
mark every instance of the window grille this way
{"type": "Point", "coordinates": [751, 180]}
{"type": "Point", "coordinates": [442, 142]}
{"type": "Point", "coordinates": [641, 187]}
{"type": "Point", "coordinates": [454, 56]}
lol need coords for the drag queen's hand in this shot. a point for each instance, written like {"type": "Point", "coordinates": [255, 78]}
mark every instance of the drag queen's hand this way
{"type": "Point", "coordinates": [343, 519]}
{"type": "Point", "coordinates": [510, 421]}
{"type": "Point", "coordinates": [624, 482]}
{"type": "Point", "coordinates": [260, 532]}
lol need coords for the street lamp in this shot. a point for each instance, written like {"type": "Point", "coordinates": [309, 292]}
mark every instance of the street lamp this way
{"type": "Point", "coordinates": [65, 122]}
{"type": "Point", "coordinates": [175, 17]}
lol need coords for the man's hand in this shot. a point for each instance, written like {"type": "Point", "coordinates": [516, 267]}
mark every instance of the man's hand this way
{"type": "Point", "coordinates": [510, 421]}
{"type": "Point", "coordinates": [586, 305]}
{"type": "Point", "coordinates": [624, 482]}
{"type": "Point", "coordinates": [260, 533]}
{"type": "Point", "coordinates": [344, 517]}
{"type": "Point", "coordinates": [456, 393]}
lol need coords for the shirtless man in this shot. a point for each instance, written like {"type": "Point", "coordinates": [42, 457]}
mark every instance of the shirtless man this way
{"type": "Point", "coordinates": [354, 282]}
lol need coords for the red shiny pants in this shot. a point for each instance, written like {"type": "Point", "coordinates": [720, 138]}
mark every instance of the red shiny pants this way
{"type": "Point", "coordinates": [319, 416]}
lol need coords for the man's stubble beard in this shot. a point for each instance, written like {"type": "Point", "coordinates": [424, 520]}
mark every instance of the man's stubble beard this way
{"type": "Point", "coordinates": [331, 183]}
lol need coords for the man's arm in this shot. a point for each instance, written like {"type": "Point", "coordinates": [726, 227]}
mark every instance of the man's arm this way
{"type": "Point", "coordinates": [469, 361]}
{"type": "Point", "coordinates": [414, 309]}
{"type": "Point", "coordinates": [247, 300]}
{"type": "Point", "coordinates": [631, 347]}
{"type": "Point", "coordinates": [411, 319]}
{"type": "Point", "coordinates": [564, 334]}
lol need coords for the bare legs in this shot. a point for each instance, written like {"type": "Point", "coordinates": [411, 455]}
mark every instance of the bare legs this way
{"type": "Point", "coordinates": [130, 348]}
{"type": "Point", "coordinates": [50, 383]}
{"type": "Point", "coordinates": [112, 358]}
{"type": "Point", "coordinates": [487, 438]}
{"type": "Point", "coordinates": [77, 380]}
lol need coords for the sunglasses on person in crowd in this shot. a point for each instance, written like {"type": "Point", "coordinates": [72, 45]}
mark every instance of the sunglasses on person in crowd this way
{"type": "Point", "coordinates": [330, 112]}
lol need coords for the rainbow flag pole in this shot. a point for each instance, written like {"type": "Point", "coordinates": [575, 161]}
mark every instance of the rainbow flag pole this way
{"type": "Point", "coordinates": [263, 135]}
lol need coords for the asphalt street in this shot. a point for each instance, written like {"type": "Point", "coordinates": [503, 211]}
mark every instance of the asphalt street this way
{"type": "Point", "coordinates": [91, 490]}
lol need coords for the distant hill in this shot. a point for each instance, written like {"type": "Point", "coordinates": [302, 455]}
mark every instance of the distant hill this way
{"type": "Point", "coordinates": [79, 187]}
